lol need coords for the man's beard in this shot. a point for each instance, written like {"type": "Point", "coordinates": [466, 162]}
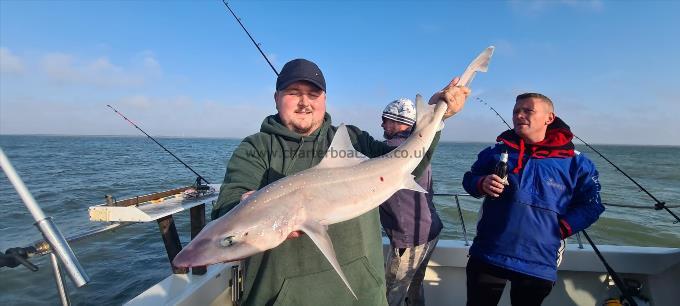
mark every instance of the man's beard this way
{"type": "Point", "coordinates": [387, 136]}
{"type": "Point", "coordinates": [403, 134]}
{"type": "Point", "coordinates": [304, 127]}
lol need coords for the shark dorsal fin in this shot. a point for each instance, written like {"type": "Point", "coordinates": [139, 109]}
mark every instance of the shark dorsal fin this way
{"type": "Point", "coordinates": [422, 109]}
{"type": "Point", "coordinates": [341, 153]}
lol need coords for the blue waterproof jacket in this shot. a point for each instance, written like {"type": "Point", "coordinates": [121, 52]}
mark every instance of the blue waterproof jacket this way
{"type": "Point", "coordinates": [553, 192]}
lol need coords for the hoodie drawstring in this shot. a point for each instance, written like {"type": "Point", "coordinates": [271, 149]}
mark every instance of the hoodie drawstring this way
{"type": "Point", "coordinates": [314, 148]}
{"type": "Point", "coordinates": [295, 155]}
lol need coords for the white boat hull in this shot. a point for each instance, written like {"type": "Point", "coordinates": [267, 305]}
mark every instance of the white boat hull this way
{"type": "Point", "coordinates": [582, 279]}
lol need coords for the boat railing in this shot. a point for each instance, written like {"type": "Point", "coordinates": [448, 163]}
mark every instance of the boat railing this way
{"type": "Point", "coordinates": [43, 248]}
{"type": "Point", "coordinates": [460, 212]}
{"type": "Point", "coordinates": [197, 217]}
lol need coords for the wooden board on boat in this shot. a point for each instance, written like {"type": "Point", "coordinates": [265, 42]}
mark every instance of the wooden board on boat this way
{"type": "Point", "coordinates": [153, 206]}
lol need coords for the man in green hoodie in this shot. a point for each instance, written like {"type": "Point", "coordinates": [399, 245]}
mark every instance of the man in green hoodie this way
{"type": "Point", "coordinates": [295, 139]}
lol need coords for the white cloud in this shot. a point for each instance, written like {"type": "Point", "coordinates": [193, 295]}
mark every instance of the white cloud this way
{"type": "Point", "coordinates": [59, 67]}
{"type": "Point", "coordinates": [185, 116]}
{"type": "Point", "coordinates": [10, 63]}
{"type": "Point", "coordinates": [149, 61]}
{"type": "Point", "coordinates": [594, 5]}
{"type": "Point", "coordinates": [536, 7]}
{"type": "Point", "coordinates": [67, 69]}
{"type": "Point", "coordinates": [137, 102]}
{"type": "Point", "coordinates": [158, 116]}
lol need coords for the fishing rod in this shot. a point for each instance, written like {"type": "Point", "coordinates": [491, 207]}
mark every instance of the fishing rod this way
{"type": "Point", "coordinates": [494, 110]}
{"type": "Point", "coordinates": [658, 206]}
{"type": "Point", "coordinates": [198, 180]}
{"type": "Point", "coordinates": [612, 273]}
{"type": "Point", "coordinates": [257, 45]}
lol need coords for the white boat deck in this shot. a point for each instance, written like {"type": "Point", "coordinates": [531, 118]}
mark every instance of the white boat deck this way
{"type": "Point", "coordinates": [582, 279]}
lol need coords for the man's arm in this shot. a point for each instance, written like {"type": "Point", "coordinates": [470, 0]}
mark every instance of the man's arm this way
{"type": "Point", "coordinates": [586, 206]}
{"type": "Point", "coordinates": [366, 144]}
{"type": "Point", "coordinates": [483, 166]}
{"type": "Point", "coordinates": [246, 171]}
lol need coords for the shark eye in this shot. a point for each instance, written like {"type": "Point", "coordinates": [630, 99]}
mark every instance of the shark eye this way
{"type": "Point", "coordinates": [227, 241]}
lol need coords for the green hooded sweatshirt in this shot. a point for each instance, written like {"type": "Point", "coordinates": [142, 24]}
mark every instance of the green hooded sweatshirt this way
{"type": "Point", "coordinates": [296, 272]}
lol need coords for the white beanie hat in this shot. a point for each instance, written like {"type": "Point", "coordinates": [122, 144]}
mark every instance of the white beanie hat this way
{"type": "Point", "coordinates": [401, 110]}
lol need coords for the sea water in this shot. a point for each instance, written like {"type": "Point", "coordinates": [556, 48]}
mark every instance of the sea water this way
{"type": "Point", "coordinates": [68, 174]}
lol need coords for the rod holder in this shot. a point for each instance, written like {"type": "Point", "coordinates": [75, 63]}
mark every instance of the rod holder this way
{"type": "Point", "coordinates": [61, 248]}
{"type": "Point", "coordinates": [45, 224]}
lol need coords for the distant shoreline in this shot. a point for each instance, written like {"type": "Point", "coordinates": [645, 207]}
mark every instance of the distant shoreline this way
{"type": "Point", "coordinates": [120, 136]}
{"type": "Point", "coordinates": [578, 143]}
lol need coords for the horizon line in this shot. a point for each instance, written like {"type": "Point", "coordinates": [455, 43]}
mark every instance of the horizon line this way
{"type": "Point", "coordinates": [241, 138]}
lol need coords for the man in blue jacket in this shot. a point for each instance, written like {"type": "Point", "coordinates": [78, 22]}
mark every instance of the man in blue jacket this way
{"type": "Point", "coordinates": [552, 193]}
{"type": "Point", "coordinates": [408, 217]}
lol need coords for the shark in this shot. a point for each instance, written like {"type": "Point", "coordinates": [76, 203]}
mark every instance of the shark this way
{"type": "Point", "coordinates": [343, 186]}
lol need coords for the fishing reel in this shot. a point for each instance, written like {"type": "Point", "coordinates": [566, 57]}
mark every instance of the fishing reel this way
{"type": "Point", "coordinates": [18, 256]}
{"type": "Point", "coordinates": [199, 189]}
{"type": "Point", "coordinates": [201, 185]}
{"type": "Point", "coordinates": [634, 288]}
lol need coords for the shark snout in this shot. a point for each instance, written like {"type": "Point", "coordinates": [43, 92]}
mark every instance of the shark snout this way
{"type": "Point", "coordinates": [190, 256]}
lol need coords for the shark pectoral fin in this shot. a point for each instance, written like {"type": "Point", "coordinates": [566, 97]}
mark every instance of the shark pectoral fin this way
{"type": "Point", "coordinates": [411, 184]}
{"type": "Point", "coordinates": [341, 152]}
{"type": "Point", "coordinates": [319, 235]}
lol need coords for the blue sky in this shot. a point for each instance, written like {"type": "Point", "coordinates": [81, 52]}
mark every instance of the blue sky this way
{"type": "Point", "coordinates": [187, 69]}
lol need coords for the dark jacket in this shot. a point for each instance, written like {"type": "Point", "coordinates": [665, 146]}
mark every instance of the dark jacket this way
{"type": "Point", "coordinates": [295, 272]}
{"type": "Point", "coordinates": [553, 193]}
{"type": "Point", "coordinates": [409, 218]}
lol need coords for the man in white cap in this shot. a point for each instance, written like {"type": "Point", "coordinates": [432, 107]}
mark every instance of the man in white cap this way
{"type": "Point", "coordinates": [408, 218]}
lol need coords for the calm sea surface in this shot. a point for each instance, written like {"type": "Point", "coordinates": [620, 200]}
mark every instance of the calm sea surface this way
{"type": "Point", "coordinates": [67, 174]}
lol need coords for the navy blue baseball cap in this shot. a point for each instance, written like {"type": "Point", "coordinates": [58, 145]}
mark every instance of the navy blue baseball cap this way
{"type": "Point", "coordinates": [300, 70]}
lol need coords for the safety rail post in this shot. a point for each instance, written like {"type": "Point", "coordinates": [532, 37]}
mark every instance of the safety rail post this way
{"type": "Point", "coordinates": [462, 221]}
{"type": "Point", "coordinates": [578, 238]}
{"type": "Point", "coordinates": [197, 214]}
{"type": "Point", "coordinates": [63, 295]}
{"type": "Point", "coordinates": [171, 241]}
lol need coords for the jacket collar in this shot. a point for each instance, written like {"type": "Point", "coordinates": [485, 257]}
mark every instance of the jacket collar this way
{"type": "Point", "coordinates": [557, 143]}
